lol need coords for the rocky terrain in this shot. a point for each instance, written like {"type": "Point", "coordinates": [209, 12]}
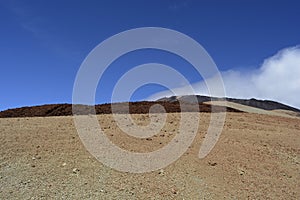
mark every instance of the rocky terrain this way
{"type": "Point", "coordinates": [134, 108]}
{"type": "Point", "coordinates": [256, 157]}
{"type": "Point", "coordinates": [256, 103]}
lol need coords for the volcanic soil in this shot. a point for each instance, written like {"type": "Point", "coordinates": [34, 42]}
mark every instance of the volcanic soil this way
{"type": "Point", "coordinates": [256, 157]}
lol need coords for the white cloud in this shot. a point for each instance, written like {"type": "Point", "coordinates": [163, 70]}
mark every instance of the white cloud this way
{"type": "Point", "coordinates": [278, 79]}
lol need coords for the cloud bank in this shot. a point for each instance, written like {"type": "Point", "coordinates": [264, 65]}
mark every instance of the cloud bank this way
{"type": "Point", "coordinates": [278, 79]}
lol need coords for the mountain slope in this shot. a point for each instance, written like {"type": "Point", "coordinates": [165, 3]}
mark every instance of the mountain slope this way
{"type": "Point", "coordinates": [142, 107]}
{"type": "Point", "coordinates": [262, 104]}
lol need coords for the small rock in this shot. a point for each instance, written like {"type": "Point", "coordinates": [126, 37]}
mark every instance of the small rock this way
{"type": "Point", "coordinates": [75, 171]}
{"type": "Point", "coordinates": [241, 172]}
{"type": "Point", "coordinates": [212, 163]}
{"type": "Point", "coordinates": [161, 172]}
{"type": "Point", "coordinates": [174, 191]}
{"type": "Point", "coordinates": [38, 157]}
{"type": "Point", "coordinates": [25, 182]}
{"type": "Point", "coordinates": [64, 164]}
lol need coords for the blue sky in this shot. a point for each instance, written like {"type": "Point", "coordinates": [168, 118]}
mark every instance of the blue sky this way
{"type": "Point", "coordinates": [43, 43]}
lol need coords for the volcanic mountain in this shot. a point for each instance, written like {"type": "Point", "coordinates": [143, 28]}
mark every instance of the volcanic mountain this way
{"type": "Point", "coordinates": [171, 105]}
{"type": "Point", "coordinates": [257, 156]}
{"type": "Point", "coordinates": [245, 105]}
{"type": "Point", "coordinates": [262, 104]}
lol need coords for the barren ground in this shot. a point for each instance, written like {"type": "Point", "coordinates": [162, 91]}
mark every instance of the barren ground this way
{"type": "Point", "coordinates": [257, 157]}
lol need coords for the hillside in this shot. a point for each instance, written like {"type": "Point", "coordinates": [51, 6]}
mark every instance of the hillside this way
{"type": "Point", "coordinates": [256, 157]}
{"type": "Point", "coordinates": [134, 108]}
{"type": "Point", "coordinates": [262, 104]}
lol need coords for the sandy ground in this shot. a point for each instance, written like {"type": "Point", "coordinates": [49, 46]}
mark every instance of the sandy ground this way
{"type": "Point", "coordinates": [256, 157]}
{"type": "Point", "coordinates": [249, 109]}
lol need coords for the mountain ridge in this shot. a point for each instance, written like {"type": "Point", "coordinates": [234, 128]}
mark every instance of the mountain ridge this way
{"type": "Point", "coordinates": [256, 103]}
{"type": "Point", "coordinates": [171, 104]}
{"type": "Point", "coordinates": [142, 107]}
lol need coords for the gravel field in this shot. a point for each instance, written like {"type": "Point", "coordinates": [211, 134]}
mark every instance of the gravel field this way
{"type": "Point", "coordinates": [256, 157]}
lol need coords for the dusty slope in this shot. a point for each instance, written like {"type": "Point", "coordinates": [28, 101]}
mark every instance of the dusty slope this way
{"type": "Point", "coordinates": [249, 109]}
{"type": "Point", "coordinates": [141, 107]}
{"type": "Point", "coordinates": [255, 103]}
{"type": "Point", "coordinates": [257, 157]}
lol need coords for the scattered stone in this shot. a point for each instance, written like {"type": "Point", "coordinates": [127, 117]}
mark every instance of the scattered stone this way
{"type": "Point", "coordinates": [241, 172]}
{"type": "Point", "coordinates": [101, 190]}
{"type": "Point", "coordinates": [149, 139]}
{"type": "Point", "coordinates": [174, 191]}
{"type": "Point", "coordinates": [212, 163]}
{"type": "Point", "coordinates": [25, 182]}
{"type": "Point", "coordinates": [161, 172]}
{"type": "Point", "coordinates": [36, 157]}
{"type": "Point", "coordinates": [286, 175]}
{"type": "Point", "coordinates": [64, 164]}
{"type": "Point", "coordinates": [75, 171]}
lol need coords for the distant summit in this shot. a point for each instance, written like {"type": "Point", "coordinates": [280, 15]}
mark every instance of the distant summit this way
{"type": "Point", "coordinates": [261, 104]}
